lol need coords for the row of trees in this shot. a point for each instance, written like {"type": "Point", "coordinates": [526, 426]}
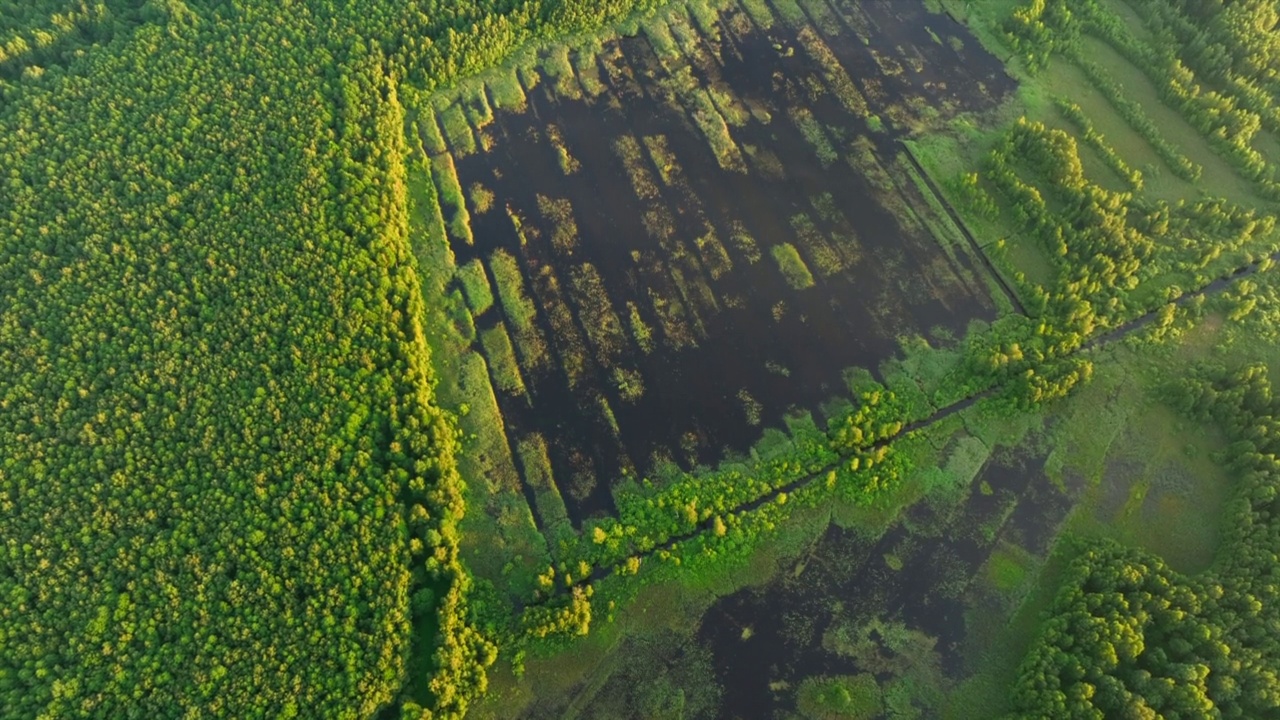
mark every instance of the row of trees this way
{"type": "Point", "coordinates": [1099, 255]}
{"type": "Point", "coordinates": [649, 517]}
{"type": "Point", "coordinates": [1102, 245]}
{"type": "Point", "coordinates": [721, 515]}
{"type": "Point", "coordinates": [1072, 112]}
{"type": "Point", "coordinates": [718, 542]}
{"type": "Point", "coordinates": [1207, 60]}
{"type": "Point", "coordinates": [1138, 119]}
{"type": "Point", "coordinates": [1230, 109]}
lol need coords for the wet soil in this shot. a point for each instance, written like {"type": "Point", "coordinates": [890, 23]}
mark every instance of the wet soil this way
{"type": "Point", "coordinates": [850, 581]}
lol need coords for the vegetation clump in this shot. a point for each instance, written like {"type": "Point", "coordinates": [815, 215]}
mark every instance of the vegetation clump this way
{"type": "Point", "coordinates": [481, 198]}
{"type": "Point", "coordinates": [840, 697]}
{"type": "Point", "coordinates": [792, 266]}
{"type": "Point", "coordinates": [559, 212]}
{"type": "Point", "coordinates": [602, 325]}
{"type": "Point", "coordinates": [475, 286]}
{"type": "Point", "coordinates": [640, 330]}
{"type": "Point", "coordinates": [502, 359]}
{"type": "Point", "coordinates": [510, 281]}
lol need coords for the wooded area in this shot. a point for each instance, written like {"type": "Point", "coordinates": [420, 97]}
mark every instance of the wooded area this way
{"type": "Point", "coordinates": [224, 475]}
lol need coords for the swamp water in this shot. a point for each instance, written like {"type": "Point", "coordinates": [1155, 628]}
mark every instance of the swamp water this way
{"type": "Point", "coordinates": [657, 199]}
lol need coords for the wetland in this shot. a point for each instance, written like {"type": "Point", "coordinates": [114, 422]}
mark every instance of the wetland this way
{"type": "Point", "coordinates": [698, 230]}
{"type": "Point", "coordinates": [764, 320]}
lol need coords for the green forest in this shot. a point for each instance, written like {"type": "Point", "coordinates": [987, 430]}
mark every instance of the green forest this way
{"type": "Point", "coordinates": [342, 351]}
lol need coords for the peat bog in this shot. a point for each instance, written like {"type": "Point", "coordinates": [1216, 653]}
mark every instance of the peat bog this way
{"type": "Point", "coordinates": [893, 607]}
{"type": "Point", "coordinates": [694, 232]}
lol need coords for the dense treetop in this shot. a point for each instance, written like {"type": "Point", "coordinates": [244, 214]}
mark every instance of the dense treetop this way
{"type": "Point", "coordinates": [213, 397]}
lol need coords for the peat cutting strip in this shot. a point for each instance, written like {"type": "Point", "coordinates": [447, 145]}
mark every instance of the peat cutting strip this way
{"type": "Point", "coordinates": [964, 230]}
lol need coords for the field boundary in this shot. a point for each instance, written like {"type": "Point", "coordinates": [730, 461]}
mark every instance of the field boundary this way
{"type": "Point", "coordinates": [964, 230]}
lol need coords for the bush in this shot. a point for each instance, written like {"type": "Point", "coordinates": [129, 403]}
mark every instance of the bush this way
{"type": "Point", "coordinates": [792, 266]}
